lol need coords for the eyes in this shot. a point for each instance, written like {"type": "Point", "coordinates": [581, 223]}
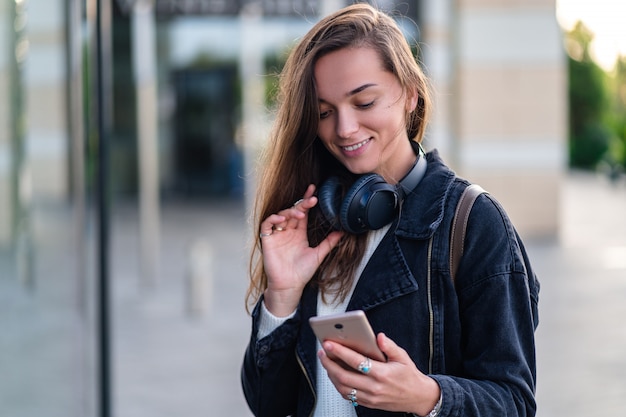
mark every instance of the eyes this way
{"type": "Point", "coordinates": [325, 113]}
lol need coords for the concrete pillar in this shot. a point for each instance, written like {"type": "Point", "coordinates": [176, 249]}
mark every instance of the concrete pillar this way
{"type": "Point", "coordinates": [45, 88]}
{"type": "Point", "coordinates": [436, 19]}
{"type": "Point", "coordinates": [254, 125]}
{"type": "Point", "coordinates": [200, 277]}
{"type": "Point", "coordinates": [507, 105]}
{"type": "Point", "coordinates": [6, 50]}
{"type": "Point", "coordinates": [144, 64]}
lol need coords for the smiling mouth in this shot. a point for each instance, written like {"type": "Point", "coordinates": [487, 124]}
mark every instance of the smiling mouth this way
{"type": "Point", "coordinates": [355, 147]}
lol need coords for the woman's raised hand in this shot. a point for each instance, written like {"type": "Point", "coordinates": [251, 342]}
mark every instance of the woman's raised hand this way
{"type": "Point", "coordinates": [288, 259]}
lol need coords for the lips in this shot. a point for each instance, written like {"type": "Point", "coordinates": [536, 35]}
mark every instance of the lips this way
{"type": "Point", "coordinates": [352, 148]}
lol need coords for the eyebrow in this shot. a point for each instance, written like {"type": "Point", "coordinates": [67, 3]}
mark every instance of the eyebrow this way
{"type": "Point", "coordinates": [355, 91]}
{"type": "Point", "coordinates": [359, 89]}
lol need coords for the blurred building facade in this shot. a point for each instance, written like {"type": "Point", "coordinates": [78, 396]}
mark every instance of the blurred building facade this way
{"type": "Point", "coordinates": [501, 81]}
{"type": "Point", "coordinates": [184, 119]}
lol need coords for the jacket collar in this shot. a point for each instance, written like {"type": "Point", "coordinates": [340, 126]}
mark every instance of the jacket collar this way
{"type": "Point", "coordinates": [422, 213]}
{"type": "Point", "coordinates": [384, 279]}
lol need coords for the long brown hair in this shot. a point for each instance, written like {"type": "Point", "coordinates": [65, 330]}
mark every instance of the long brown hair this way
{"type": "Point", "coordinates": [294, 157]}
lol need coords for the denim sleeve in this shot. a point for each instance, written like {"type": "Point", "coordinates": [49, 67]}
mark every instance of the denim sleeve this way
{"type": "Point", "coordinates": [270, 372]}
{"type": "Point", "coordinates": [498, 293]}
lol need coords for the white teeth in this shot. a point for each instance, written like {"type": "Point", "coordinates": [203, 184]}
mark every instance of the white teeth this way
{"type": "Point", "coordinates": [355, 147]}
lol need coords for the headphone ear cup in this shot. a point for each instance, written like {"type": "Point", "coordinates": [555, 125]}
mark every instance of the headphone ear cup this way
{"type": "Point", "coordinates": [329, 200]}
{"type": "Point", "coordinates": [353, 215]}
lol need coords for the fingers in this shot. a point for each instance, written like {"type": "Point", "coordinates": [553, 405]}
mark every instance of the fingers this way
{"type": "Point", "coordinates": [352, 384]}
{"type": "Point", "coordinates": [329, 243]}
{"type": "Point", "coordinates": [293, 217]}
{"type": "Point", "coordinates": [269, 225]}
{"type": "Point", "coordinates": [395, 385]}
{"type": "Point", "coordinates": [393, 352]}
{"type": "Point", "coordinates": [348, 358]}
{"type": "Point", "coordinates": [297, 213]}
{"type": "Point", "coordinates": [308, 200]}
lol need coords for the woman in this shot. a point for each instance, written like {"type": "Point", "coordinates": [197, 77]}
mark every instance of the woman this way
{"type": "Point", "coordinates": [353, 110]}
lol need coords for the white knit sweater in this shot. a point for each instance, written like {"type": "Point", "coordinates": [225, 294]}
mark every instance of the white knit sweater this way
{"type": "Point", "coordinates": [330, 403]}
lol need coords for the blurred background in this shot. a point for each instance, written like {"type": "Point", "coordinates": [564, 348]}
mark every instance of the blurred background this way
{"type": "Point", "coordinates": [129, 131]}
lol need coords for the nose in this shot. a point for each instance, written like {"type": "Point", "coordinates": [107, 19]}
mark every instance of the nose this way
{"type": "Point", "coordinates": [347, 124]}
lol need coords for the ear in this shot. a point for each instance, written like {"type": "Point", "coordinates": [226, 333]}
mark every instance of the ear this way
{"type": "Point", "coordinates": [411, 100]}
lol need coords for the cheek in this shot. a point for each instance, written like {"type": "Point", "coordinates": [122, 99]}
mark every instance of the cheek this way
{"type": "Point", "coordinates": [383, 121]}
{"type": "Point", "coordinates": [324, 132]}
{"type": "Point", "coordinates": [397, 116]}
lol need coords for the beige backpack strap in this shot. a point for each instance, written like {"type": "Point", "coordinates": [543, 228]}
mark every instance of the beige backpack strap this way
{"type": "Point", "coordinates": [459, 225]}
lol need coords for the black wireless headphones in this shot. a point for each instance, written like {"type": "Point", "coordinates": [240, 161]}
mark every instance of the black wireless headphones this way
{"type": "Point", "coordinates": [371, 202]}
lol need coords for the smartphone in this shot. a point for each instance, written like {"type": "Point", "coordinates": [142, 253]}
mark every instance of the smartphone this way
{"type": "Point", "coordinates": [351, 329]}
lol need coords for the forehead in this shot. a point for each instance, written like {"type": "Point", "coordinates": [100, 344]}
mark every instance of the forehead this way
{"type": "Point", "coordinates": [344, 70]}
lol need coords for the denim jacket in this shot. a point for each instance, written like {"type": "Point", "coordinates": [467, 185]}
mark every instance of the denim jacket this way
{"type": "Point", "coordinates": [474, 337]}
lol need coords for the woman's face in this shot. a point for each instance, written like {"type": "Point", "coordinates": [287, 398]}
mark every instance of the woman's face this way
{"type": "Point", "coordinates": [363, 113]}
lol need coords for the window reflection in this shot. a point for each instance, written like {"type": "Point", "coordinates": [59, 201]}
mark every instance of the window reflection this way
{"type": "Point", "coordinates": [46, 364]}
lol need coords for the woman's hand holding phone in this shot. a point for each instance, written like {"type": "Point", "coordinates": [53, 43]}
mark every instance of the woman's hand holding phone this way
{"type": "Point", "coordinates": [395, 385]}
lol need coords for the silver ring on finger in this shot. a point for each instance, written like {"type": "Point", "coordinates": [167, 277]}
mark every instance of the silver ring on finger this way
{"type": "Point", "coordinates": [352, 397]}
{"type": "Point", "coordinates": [365, 366]}
{"type": "Point", "coordinates": [298, 202]}
{"type": "Point", "coordinates": [262, 235]}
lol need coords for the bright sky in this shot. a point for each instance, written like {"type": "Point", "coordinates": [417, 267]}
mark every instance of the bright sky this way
{"type": "Point", "coordinates": [605, 18]}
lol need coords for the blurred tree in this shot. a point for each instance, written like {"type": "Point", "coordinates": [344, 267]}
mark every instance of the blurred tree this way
{"type": "Point", "coordinates": [588, 101]}
{"type": "Point", "coordinates": [617, 151]}
{"type": "Point", "coordinates": [274, 64]}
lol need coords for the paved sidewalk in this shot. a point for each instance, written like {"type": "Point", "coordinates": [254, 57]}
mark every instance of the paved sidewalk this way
{"type": "Point", "coordinates": [171, 363]}
{"type": "Point", "coordinates": [581, 340]}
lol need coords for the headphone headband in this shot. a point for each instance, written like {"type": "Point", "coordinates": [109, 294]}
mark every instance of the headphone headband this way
{"type": "Point", "coordinates": [415, 174]}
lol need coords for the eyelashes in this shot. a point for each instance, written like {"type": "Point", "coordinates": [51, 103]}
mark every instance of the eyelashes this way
{"type": "Point", "coordinates": [364, 106]}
